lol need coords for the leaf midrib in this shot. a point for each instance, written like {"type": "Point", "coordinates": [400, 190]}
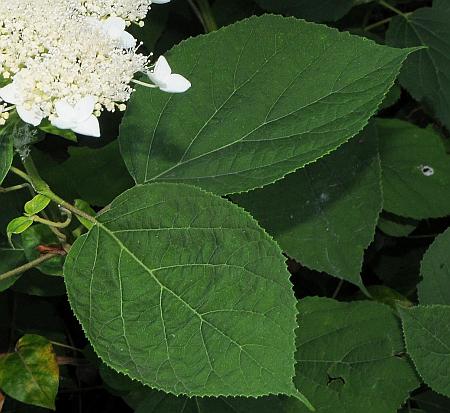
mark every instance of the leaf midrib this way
{"type": "Point", "coordinates": [179, 163]}
{"type": "Point", "coordinates": [164, 287]}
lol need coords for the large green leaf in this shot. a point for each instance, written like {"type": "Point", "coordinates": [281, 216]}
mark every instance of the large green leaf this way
{"type": "Point", "coordinates": [315, 10]}
{"type": "Point", "coordinates": [349, 358]}
{"type": "Point", "coordinates": [435, 285]}
{"type": "Point", "coordinates": [425, 74]}
{"type": "Point", "coordinates": [30, 374]}
{"type": "Point", "coordinates": [415, 170]}
{"type": "Point", "coordinates": [427, 335]}
{"type": "Point", "coordinates": [325, 215]}
{"type": "Point", "coordinates": [269, 96]}
{"type": "Point", "coordinates": [182, 290]}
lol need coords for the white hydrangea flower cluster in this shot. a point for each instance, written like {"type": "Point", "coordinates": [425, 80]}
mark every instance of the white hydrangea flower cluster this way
{"type": "Point", "coordinates": [28, 29]}
{"type": "Point", "coordinates": [68, 60]}
{"type": "Point", "coordinates": [129, 10]}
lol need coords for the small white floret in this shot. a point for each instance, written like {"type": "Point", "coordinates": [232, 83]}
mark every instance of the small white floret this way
{"type": "Point", "coordinates": [162, 76]}
{"type": "Point", "coordinates": [79, 118]}
{"type": "Point", "coordinates": [11, 94]}
{"type": "Point", "coordinates": [115, 27]}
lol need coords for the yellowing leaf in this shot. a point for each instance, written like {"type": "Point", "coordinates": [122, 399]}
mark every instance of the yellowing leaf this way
{"type": "Point", "coordinates": [30, 374]}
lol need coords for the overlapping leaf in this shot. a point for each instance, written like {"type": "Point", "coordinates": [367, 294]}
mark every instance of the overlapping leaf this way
{"type": "Point", "coordinates": [350, 358]}
{"type": "Point", "coordinates": [183, 291]}
{"type": "Point", "coordinates": [269, 96]}
{"type": "Point", "coordinates": [435, 270]}
{"type": "Point", "coordinates": [427, 335]}
{"type": "Point", "coordinates": [415, 169]}
{"type": "Point", "coordinates": [324, 215]}
{"type": "Point", "coordinates": [425, 74]}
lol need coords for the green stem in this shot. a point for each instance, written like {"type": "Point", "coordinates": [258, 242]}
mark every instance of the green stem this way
{"type": "Point", "coordinates": [13, 188]}
{"type": "Point", "coordinates": [203, 11]}
{"type": "Point", "coordinates": [209, 21]}
{"type": "Point", "coordinates": [41, 187]}
{"type": "Point", "coordinates": [49, 223]}
{"type": "Point", "coordinates": [195, 10]}
{"type": "Point", "coordinates": [28, 266]}
{"type": "Point", "coordinates": [338, 289]}
{"type": "Point", "coordinates": [388, 6]}
{"type": "Point", "coordinates": [57, 344]}
{"type": "Point", "coordinates": [377, 24]}
{"type": "Point", "coordinates": [21, 174]}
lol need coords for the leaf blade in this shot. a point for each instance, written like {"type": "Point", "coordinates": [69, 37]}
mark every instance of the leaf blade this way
{"type": "Point", "coordinates": [427, 336]}
{"type": "Point", "coordinates": [435, 270]}
{"type": "Point", "coordinates": [240, 134]}
{"type": "Point", "coordinates": [341, 371]}
{"type": "Point", "coordinates": [424, 73]}
{"type": "Point", "coordinates": [31, 374]}
{"type": "Point", "coordinates": [190, 246]}
{"type": "Point", "coordinates": [329, 209]}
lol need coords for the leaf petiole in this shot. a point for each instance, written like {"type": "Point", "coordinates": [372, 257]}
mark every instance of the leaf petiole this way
{"type": "Point", "coordinates": [49, 223]}
{"type": "Point", "coordinates": [388, 6]}
{"type": "Point", "coordinates": [13, 188]}
{"type": "Point", "coordinates": [202, 10]}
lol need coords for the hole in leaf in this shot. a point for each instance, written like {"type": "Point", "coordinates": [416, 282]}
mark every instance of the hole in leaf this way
{"type": "Point", "coordinates": [335, 382]}
{"type": "Point", "coordinates": [426, 170]}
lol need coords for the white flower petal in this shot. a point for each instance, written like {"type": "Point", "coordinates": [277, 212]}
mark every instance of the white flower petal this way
{"type": "Point", "coordinates": [160, 1]}
{"type": "Point", "coordinates": [176, 84]}
{"type": "Point", "coordinates": [114, 26]}
{"type": "Point", "coordinates": [84, 108]}
{"type": "Point", "coordinates": [64, 110]}
{"type": "Point", "coordinates": [127, 40]}
{"type": "Point", "coordinates": [90, 127]}
{"type": "Point", "coordinates": [33, 117]}
{"type": "Point", "coordinates": [161, 71]}
{"type": "Point", "coordinates": [10, 94]}
{"type": "Point", "coordinates": [62, 123]}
